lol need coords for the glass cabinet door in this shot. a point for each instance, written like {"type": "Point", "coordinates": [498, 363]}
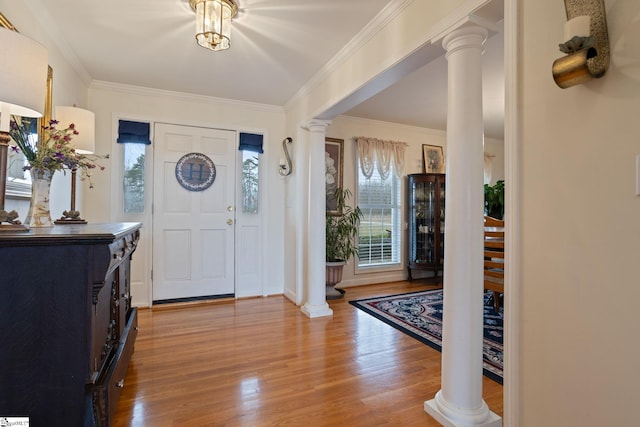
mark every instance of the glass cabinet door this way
{"type": "Point", "coordinates": [423, 216]}
{"type": "Point", "coordinates": [441, 201]}
{"type": "Point", "coordinates": [426, 222]}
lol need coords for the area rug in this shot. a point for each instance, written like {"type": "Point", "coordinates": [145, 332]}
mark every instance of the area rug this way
{"type": "Point", "coordinates": [419, 314]}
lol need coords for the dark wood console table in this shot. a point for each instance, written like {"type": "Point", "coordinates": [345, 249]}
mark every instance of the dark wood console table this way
{"type": "Point", "coordinates": [67, 327]}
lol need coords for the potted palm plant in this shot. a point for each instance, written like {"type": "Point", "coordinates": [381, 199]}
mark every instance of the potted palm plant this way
{"type": "Point", "coordinates": [341, 232]}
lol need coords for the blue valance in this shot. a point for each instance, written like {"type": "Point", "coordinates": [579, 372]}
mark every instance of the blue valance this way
{"type": "Point", "coordinates": [134, 132]}
{"type": "Point", "coordinates": [251, 142]}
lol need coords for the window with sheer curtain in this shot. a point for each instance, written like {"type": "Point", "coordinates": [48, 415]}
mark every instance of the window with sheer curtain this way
{"type": "Point", "coordinates": [381, 165]}
{"type": "Point", "coordinates": [134, 137]}
{"type": "Point", "coordinates": [488, 166]}
{"type": "Point", "coordinates": [251, 147]}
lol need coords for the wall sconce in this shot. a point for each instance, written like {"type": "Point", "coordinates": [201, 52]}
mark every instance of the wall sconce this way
{"type": "Point", "coordinates": [285, 166]}
{"type": "Point", "coordinates": [586, 44]}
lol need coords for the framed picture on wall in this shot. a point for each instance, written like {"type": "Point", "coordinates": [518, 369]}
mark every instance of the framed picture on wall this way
{"type": "Point", "coordinates": [333, 157]}
{"type": "Point", "coordinates": [433, 157]}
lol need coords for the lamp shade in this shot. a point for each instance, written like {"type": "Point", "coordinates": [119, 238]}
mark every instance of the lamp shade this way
{"type": "Point", "coordinates": [85, 123]}
{"type": "Point", "coordinates": [23, 77]}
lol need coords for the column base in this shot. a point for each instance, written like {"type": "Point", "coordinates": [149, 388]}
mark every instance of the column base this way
{"type": "Point", "coordinates": [313, 311]}
{"type": "Point", "coordinates": [449, 416]}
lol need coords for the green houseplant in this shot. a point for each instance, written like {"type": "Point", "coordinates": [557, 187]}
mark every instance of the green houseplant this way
{"type": "Point", "coordinates": [340, 232]}
{"type": "Point", "coordinates": [494, 200]}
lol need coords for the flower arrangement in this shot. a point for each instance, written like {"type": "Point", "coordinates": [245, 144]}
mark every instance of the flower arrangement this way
{"type": "Point", "coordinates": [55, 151]}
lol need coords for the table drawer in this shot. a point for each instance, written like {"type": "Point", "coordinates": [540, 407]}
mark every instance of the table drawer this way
{"type": "Point", "coordinates": [111, 387]}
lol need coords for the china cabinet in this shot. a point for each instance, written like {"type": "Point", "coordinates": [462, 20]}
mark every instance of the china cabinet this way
{"type": "Point", "coordinates": [426, 193]}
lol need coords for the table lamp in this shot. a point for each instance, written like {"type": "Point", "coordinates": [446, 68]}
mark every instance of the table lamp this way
{"type": "Point", "coordinates": [23, 81]}
{"type": "Point", "coordinates": [84, 143]}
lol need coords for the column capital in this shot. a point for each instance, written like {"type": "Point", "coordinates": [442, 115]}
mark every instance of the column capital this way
{"type": "Point", "coordinates": [467, 37]}
{"type": "Point", "coordinates": [317, 125]}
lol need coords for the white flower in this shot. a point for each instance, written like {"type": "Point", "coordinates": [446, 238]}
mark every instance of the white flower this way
{"type": "Point", "coordinates": [330, 169]}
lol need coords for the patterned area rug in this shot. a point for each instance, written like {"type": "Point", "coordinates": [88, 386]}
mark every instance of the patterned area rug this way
{"type": "Point", "coordinates": [419, 314]}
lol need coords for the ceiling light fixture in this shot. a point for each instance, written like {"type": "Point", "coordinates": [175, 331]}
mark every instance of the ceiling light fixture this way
{"type": "Point", "coordinates": [213, 22]}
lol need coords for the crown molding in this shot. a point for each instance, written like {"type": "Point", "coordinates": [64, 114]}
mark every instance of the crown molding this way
{"type": "Point", "coordinates": [465, 11]}
{"type": "Point", "coordinates": [386, 15]}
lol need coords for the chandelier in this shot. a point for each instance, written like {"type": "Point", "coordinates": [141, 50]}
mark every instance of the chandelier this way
{"type": "Point", "coordinates": [213, 22]}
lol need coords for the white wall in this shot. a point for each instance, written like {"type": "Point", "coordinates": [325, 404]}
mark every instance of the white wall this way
{"type": "Point", "coordinates": [495, 148]}
{"type": "Point", "coordinates": [111, 102]}
{"type": "Point", "coordinates": [580, 235]}
{"type": "Point", "coordinates": [347, 128]}
{"type": "Point", "coordinates": [401, 35]}
{"type": "Point", "coordinates": [355, 74]}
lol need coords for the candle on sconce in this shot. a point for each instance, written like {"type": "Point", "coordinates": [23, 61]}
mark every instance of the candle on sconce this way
{"type": "Point", "coordinates": [579, 26]}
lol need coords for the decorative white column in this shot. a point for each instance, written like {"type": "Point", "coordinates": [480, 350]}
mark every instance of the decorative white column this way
{"type": "Point", "coordinates": [316, 304]}
{"type": "Point", "coordinates": [459, 402]}
{"type": "Point", "coordinates": [301, 175]}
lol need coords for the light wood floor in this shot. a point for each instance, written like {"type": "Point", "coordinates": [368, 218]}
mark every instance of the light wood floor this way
{"type": "Point", "coordinates": [261, 362]}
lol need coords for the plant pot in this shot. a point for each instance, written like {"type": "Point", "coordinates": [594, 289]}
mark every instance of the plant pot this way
{"type": "Point", "coordinates": [334, 276]}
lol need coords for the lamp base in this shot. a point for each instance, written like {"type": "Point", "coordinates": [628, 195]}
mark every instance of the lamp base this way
{"type": "Point", "coordinates": [63, 221]}
{"type": "Point", "coordinates": [12, 222]}
{"type": "Point", "coordinates": [70, 217]}
{"type": "Point", "coordinates": [13, 227]}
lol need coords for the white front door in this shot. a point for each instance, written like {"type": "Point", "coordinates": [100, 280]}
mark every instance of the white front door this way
{"type": "Point", "coordinates": [193, 231]}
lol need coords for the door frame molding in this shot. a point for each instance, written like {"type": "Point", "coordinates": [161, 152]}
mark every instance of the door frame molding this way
{"type": "Point", "coordinates": [513, 214]}
{"type": "Point", "coordinates": [143, 259]}
{"type": "Point", "coordinates": [142, 284]}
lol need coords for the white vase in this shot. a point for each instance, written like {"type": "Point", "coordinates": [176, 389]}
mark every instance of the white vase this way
{"type": "Point", "coordinates": [39, 214]}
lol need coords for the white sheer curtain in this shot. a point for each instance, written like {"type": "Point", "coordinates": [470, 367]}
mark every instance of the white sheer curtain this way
{"type": "Point", "coordinates": [373, 151]}
{"type": "Point", "coordinates": [488, 165]}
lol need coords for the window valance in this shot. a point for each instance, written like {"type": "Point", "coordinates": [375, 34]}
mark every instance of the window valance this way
{"type": "Point", "coordinates": [251, 142]}
{"type": "Point", "coordinates": [134, 132]}
{"type": "Point", "coordinates": [373, 151]}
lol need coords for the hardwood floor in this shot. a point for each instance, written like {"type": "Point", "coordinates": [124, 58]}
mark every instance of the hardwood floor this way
{"type": "Point", "coordinates": [261, 362]}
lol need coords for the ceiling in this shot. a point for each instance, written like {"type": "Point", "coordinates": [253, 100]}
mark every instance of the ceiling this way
{"type": "Point", "coordinates": [276, 47]}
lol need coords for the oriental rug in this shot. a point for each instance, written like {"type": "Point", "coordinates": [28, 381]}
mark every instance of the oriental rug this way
{"type": "Point", "coordinates": [419, 314]}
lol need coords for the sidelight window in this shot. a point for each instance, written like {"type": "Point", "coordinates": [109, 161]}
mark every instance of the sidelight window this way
{"type": "Point", "coordinates": [134, 136]}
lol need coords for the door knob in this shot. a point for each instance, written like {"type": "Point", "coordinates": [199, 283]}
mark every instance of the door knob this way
{"type": "Point", "coordinates": [230, 222]}
{"type": "Point", "coordinates": [230, 208]}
